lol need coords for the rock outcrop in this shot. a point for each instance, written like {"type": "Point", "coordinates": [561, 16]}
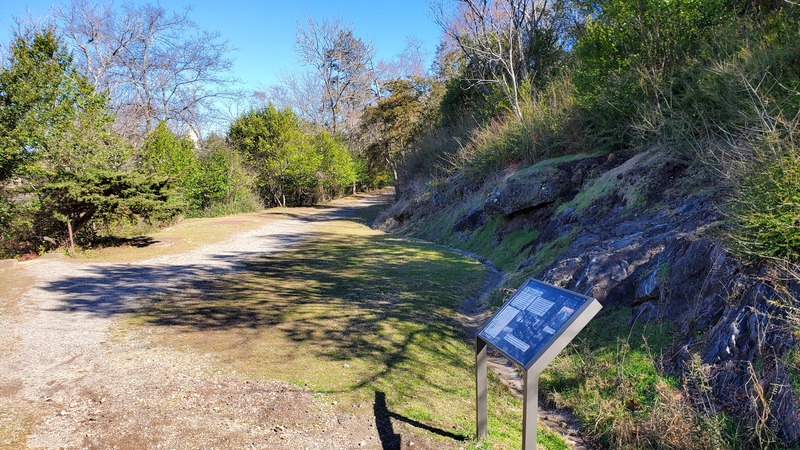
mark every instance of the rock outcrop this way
{"type": "Point", "coordinates": [635, 236]}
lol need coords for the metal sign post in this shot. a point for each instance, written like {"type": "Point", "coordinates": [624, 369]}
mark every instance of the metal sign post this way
{"type": "Point", "coordinates": [530, 329]}
{"type": "Point", "coordinates": [480, 387]}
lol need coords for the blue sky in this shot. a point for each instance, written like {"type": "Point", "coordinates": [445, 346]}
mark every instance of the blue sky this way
{"type": "Point", "coordinates": [263, 31]}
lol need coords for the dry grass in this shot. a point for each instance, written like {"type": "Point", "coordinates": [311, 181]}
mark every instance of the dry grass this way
{"type": "Point", "coordinates": [13, 282]}
{"type": "Point", "coordinates": [611, 378]}
{"type": "Point", "coordinates": [184, 236]}
{"type": "Point", "coordinates": [15, 425]}
{"type": "Point", "coordinates": [189, 234]}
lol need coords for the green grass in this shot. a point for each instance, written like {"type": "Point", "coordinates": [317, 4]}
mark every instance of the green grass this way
{"type": "Point", "coordinates": [508, 253]}
{"type": "Point", "coordinates": [601, 187]}
{"type": "Point", "coordinates": [610, 378]}
{"type": "Point", "coordinates": [353, 314]}
{"type": "Point", "coordinates": [543, 257]}
{"type": "Point", "coordinates": [766, 209]}
{"type": "Point", "coordinates": [505, 253]}
{"type": "Point", "coordinates": [550, 162]}
{"type": "Point", "coordinates": [622, 179]}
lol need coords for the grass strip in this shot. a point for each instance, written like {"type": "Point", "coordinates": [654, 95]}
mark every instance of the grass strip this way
{"type": "Point", "coordinates": [358, 316]}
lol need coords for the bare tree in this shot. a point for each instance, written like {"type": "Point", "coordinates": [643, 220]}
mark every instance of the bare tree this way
{"type": "Point", "coordinates": [409, 64]}
{"type": "Point", "coordinates": [500, 38]}
{"type": "Point", "coordinates": [306, 95]}
{"type": "Point", "coordinates": [342, 65]}
{"type": "Point", "coordinates": [154, 64]}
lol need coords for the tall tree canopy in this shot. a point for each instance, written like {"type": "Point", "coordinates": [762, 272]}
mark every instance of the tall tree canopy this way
{"type": "Point", "coordinates": [156, 65]}
{"type": "Point", "coordinates": [56, 139]}
{"type": "Point", "coordinates": [293, 166]}
{"type": "Point", "coordinates": [343, 68]}
{"type": "Point", "coordinates": [507, 43]}
{"type": "Point", "coordinates": [392, 124]}
{"type": "Point", "coordinates": [39, 95]}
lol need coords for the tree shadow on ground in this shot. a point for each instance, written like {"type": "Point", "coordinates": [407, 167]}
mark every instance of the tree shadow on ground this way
{"type": "Point", "coordinates": [107, 290]}
{"type": "Point", "coordinates": [117, 241]}
{"type": "Point", "coordinates": [367, 297]}
{"type": "Point", "coordinates": [383, 422]}
{"type": "Point", "coordinates": [371, 297]}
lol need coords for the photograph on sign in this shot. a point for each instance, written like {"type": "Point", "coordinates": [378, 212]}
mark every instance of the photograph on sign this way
{"type": "Point", "coordinates": [530, 319]}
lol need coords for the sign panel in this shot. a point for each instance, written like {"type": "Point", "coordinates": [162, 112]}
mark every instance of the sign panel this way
{"type": "Point", "coordinates": [531, 320]}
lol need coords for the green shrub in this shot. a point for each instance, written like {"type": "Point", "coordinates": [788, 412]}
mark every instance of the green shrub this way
{"type": "Point", "coordinates": [291, 166]}
{"type": "Point", "coordinates": [630, 53]}
{"type": "Point", "coordinates": [548, 129]}
{"type": "Point", "coordinates": [17, 234]}
{"type": "Point", "coordinates": [767, 207]}
{"type": "Point", "coordinates": [465, 99]}
{"type": "Point", "coordinates": [338, 170]}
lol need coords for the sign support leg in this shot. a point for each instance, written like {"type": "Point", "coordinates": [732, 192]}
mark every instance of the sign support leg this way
{"type": "Point", "coordinates": [480, 388]}
{"type": "Point", "coordinates": [530, 409]}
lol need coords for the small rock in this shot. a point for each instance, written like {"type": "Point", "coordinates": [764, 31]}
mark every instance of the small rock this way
{"type": "Point", "coordinates": [362, 443]}
{"type": "Point", "coordinates": [346, 366]}
{"type": "Point", "coordinates": [283, 436]}
{"type": "Point", "coordinates": [63, 413]}
{"type": "Point", "coordinates": [645, 312]}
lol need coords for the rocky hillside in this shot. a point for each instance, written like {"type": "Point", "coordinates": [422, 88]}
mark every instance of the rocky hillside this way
{"type": "Point", "coordinates": [639, 233]}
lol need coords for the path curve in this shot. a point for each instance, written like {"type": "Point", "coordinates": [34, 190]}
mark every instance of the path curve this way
{"type": "Point", "coordinates": [87, 382]}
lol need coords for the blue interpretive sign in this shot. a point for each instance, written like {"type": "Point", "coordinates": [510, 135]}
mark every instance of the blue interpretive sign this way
{"type": "Point", "coordinates": [530, 328]}
{"type": "Point", "coordinates": [531, 319]}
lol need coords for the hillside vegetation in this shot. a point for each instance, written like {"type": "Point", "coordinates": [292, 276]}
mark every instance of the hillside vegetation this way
{"type": "Point", "coordinates": [115, 120]}
{"type": "Point", "coordinates": [644, 153]}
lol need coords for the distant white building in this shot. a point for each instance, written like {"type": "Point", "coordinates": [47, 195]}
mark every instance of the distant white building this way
{"type": "Point", "coordinates": [194, 138]}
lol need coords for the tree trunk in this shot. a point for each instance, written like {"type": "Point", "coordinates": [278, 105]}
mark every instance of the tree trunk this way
{"type": "Point", "coordinates": [71, 240]}
{"type": "Point", "coordinates": [393, 166]}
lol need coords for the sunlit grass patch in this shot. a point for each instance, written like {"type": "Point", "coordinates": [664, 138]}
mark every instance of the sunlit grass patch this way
{"type": "Point", "coordinates": [355, 315]}
{"type": "Point", "coordinates": [181, 237]}
{"type": "Point", "coordinates": [15, 425]}
{"type": "Point", "coordinates": [610, 377]}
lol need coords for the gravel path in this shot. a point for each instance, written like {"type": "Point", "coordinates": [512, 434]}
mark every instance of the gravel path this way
{"type": "Point", "coordinates": [90, 383]}
{"type": "Point", "coordinates": [78, 379]}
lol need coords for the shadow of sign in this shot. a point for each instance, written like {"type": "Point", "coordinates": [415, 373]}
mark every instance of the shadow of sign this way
{"type": "Point", "coordinates": [383, 422]}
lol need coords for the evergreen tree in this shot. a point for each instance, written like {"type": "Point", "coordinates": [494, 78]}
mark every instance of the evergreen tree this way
{"type": "Point", "coordinates": [78, 198]}
{"type": "Point", "coordinates": [38, 97]}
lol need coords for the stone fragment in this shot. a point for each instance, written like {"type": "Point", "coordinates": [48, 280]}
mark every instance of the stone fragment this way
{"type": "Point", "coordinates": [527, 192]}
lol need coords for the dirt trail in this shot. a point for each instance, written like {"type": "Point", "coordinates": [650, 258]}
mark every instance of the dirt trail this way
{"type": "Point", "coordinates": [69, 367]}
{"type": "Point", "coordinates": [72, 375]}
